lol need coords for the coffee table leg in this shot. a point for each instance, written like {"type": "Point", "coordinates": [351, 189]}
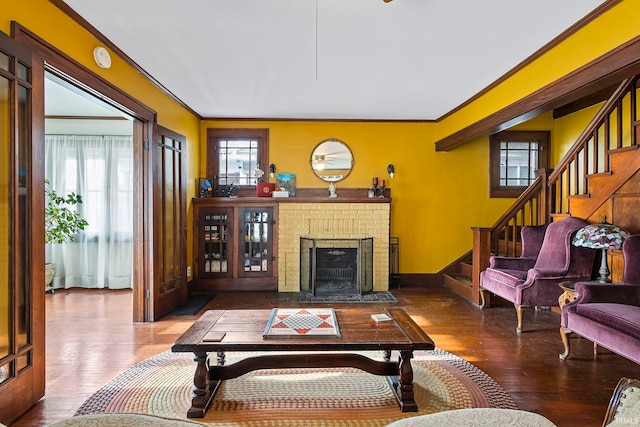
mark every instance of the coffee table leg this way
{"type": "Point", "coordinates": [402, 386]}
{"type": "Point", "coordinates": [203, 390]}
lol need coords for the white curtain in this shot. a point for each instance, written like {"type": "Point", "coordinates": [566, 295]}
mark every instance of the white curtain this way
{"type": "Point", "coordinates": [100, 169]}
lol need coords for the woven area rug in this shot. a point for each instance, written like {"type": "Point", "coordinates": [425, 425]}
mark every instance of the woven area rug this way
{"type": "Point", "coordinates": [328, 397]}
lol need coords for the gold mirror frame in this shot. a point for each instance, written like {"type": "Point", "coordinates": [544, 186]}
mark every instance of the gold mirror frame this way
{"type": "Point", "coordinates": [331, 160]}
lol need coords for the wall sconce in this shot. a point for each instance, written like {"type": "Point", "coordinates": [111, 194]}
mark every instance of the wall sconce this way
{"type": "Point", "coordinates": [272, 170]}
{"type": "Point", "coordinates": [391, 169]}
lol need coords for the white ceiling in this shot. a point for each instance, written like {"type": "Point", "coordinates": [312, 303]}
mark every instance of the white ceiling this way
{"type": "Point", "coordinates": [329, 59]}
{"type": "Point", "coordinates": [62, 99]}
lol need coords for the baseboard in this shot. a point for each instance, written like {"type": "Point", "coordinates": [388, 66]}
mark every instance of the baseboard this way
{"type": "Point", "coordinates": [420, 280]}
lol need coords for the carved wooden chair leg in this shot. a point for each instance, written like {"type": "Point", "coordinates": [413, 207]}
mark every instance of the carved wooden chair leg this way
{"type": "Point", "coordinates": [564, 334]}
{"type": "Point", "coordinates": [519, 310]}
{"type": "Point", "coordinates": [484, 298]}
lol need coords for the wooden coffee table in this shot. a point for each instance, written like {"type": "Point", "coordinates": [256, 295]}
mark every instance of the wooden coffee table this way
{"type": "Point", "coordinates": [242, 330]}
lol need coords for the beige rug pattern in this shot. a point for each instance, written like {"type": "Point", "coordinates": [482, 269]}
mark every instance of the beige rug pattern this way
{"type": "Point", "coordinates": [162, 386]}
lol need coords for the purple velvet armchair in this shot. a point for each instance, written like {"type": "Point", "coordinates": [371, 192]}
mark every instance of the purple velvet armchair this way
{"type": "Point", "coordinates": [548, 258]}
{"type": "Point", "coordinates": [608, 314]}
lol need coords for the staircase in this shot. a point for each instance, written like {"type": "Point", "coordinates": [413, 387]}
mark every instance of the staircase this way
{"type": "Point", "coordinates": [603, 162]}
{"type": "Point", "coordinates": [457, 276]}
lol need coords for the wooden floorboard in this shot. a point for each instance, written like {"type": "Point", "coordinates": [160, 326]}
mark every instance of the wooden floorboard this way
{"type": "Point", "coordinates": [91, 339]}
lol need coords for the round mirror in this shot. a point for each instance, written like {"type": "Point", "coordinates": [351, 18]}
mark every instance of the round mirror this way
{"type": "Point", "coordinates": [331, 160]}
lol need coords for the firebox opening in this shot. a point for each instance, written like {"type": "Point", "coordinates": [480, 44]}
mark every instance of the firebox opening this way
{"type": "Point", "coordinates": [336, 266]}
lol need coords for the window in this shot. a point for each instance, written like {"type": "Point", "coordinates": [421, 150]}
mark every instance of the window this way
{"type": "Point", "coordinates": [234, 154]}
{"type": "Point", "coordinates": [515, 156]}
{"type": "Point", "coordinates": [100, 168]}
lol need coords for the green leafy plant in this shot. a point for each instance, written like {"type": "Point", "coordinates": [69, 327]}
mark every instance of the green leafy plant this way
{"type": "Point", "coordinates": [60, 222]}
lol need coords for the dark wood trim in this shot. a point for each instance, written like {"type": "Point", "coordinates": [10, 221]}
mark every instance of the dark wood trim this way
{"type": "Point", "coordinates": [84, 118]}
{"type": "Point", "coordinates": [603, 72]}
{"type": "Point", "coordinates": [420, 280]}
{"type": "Point", "coordinates": [271, 119]}
{"type": "Point", "coordinates": [537, 54]}
{"type": "Point", "coordinates": [544, 141]}
{"type": "Point", "coordinates": [83, 78]}
{"type": "Point", "coordinates": [585, 102]}
{"type": "Point", "coordinates": [143, 274]}
{"type": "Point", "coordinates": [213, 160]}
{"type": "Point", "coordinates": [303, 195]}
{"type": "Point", "coordinates": [60, 4]}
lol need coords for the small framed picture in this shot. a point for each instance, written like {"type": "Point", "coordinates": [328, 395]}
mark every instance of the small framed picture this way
{"type": "Point", "coordinates": [204, 188]}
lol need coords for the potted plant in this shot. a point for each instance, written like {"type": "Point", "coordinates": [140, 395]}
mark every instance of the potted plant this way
{"type": "Point", "coordinates": [61, 223]}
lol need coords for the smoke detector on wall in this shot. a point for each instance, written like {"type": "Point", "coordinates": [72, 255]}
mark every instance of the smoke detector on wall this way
{"type": "Point", "coordinates": [102, 57]}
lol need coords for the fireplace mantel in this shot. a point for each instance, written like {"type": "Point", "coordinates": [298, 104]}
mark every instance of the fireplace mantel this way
{"type": "Point", "coordinates": [307, 195]}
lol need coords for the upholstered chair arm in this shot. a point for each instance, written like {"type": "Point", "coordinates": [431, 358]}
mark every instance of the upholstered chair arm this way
{"type": "Point", "coordinates": [540, 285]}
{"type": "Point", "coordinates": [589, 292]}
{"type": "Point", "coordinates": [545, 273]}
{"type": "Point", "coordinates": [506, 263]}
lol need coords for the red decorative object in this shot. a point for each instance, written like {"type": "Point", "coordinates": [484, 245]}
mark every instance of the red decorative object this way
{"type": "Point", "coordinates": [264, 189]}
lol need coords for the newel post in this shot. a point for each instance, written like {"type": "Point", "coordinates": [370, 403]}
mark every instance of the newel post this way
{"type": "Point", "coordinates": [481, 254]}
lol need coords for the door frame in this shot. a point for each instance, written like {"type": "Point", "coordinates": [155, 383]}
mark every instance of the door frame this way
{"type": "Point", "coordinates": [144, 119]}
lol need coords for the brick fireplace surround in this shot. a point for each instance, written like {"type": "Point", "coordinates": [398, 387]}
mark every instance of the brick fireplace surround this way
{"type": "Point", "coordinates": [339, 218]}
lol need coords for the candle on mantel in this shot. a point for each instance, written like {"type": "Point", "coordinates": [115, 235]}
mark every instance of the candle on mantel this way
{"type": "Point", "coordinates": [382, 183]}
{"type": "Point", "coordinates": [375, 180]}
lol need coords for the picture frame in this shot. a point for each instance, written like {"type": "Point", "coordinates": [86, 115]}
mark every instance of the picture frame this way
{"type": "Point", "coordinates": [205, 189]}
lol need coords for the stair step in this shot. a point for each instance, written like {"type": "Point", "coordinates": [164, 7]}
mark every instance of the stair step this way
{"type": "Point", "coordinates": [466, 269]}
{"type": "Point", "coordinates": [459, 284]}
{"type": "Point", "coordinates": [457, 280]}
{"type": "Point", "coordinates": [624, 162]}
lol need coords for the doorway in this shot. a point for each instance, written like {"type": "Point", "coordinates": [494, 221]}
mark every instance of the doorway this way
{"type": "Point", "coordinates": [89, 151]}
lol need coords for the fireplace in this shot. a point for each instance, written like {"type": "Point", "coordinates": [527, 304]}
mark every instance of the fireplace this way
{"type": "Point", "coordinates": [336, 266]}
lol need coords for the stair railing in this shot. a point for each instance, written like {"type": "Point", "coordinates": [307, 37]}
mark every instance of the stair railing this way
{"type": "Point", "coordinates": [503, 238]}
{"type": "Point", "coordinates": [590, 153]}
{"type": "Point", "coordinates": [550, 193]}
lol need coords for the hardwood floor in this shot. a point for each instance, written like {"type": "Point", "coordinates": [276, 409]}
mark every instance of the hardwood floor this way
{"type": "Point", "coordinates": [91, 339]}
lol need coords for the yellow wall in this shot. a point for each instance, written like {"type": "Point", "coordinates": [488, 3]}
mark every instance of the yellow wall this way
{"type": "Point", "coordinates": [49, 23]}
{"type": "Point", "coordinates": [610, 30]}
{"type": "Point", "coordinates": [437, 196]}
{"type": "Point", "coordinates": [567, 129]}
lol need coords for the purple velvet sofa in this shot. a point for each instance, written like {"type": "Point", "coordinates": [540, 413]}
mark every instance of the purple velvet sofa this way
{"type": "Point", "coordinates": [608, 314]}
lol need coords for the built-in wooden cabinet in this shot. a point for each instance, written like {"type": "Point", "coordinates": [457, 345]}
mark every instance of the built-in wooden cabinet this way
{"type": "Point", "coordinates": [234, 244]}
{"type": "Point", "coordinates": [236, 240]}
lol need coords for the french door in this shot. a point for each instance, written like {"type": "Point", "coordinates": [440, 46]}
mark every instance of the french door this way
{"type": "Point", "coordinates": [159, 254]}
{"type": "Point", "coordinates": [22, 343]}
{"type": "Point", "coordinates": [169, 226]}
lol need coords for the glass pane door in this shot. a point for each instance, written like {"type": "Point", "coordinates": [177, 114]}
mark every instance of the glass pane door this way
{"type": "Point", "coordinates": [256, 242]}
{"type": "Point", "coordinates": [21, 231]}
{"type": "Point", "coordinates": [216, 235]}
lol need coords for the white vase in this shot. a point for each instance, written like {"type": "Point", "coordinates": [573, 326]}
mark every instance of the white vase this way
{"type": "Point", "coordinates": [49, 272]}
